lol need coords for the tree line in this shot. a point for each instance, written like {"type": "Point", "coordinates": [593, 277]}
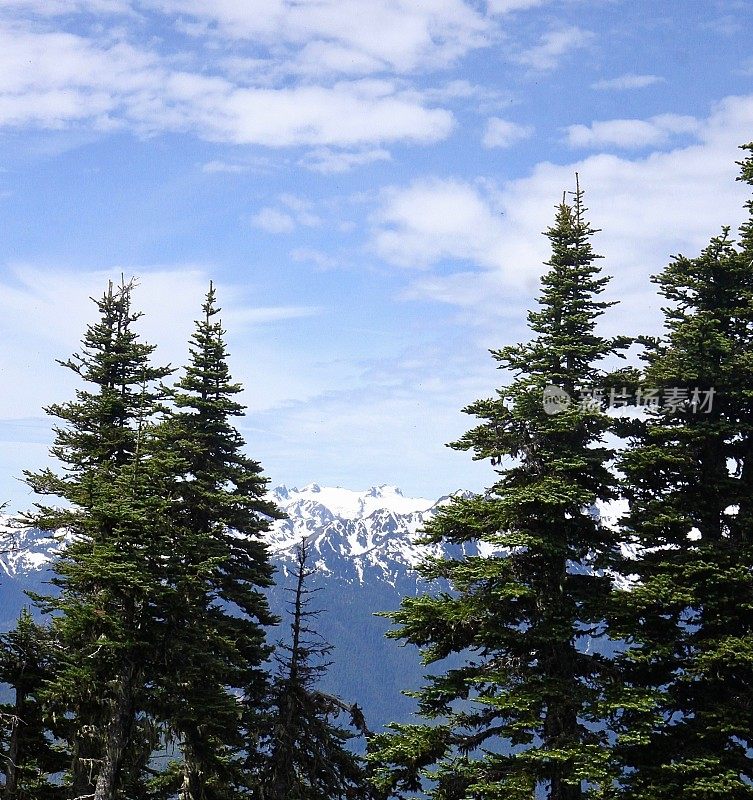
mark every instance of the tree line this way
{"type": "Point", "coordinates": [589, 658]}
{"type": "Point", "coordinates": [155, 642]}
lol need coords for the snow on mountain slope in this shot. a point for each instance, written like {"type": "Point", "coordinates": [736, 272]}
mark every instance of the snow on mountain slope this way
{"type": "Point", "coordinates": [351, 504]}
{"type": "Point", "coordinates": [355, 537]}
{"type": "Point", "coordinates": [26, 550]}
{"type": "Point", "coordinates": [350, 532]}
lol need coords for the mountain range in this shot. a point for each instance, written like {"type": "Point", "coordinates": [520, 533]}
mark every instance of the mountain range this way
{"type": "Point", "coordinates": [363, 545]}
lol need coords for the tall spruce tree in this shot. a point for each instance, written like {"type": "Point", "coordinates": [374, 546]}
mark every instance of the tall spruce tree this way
{"type": "Point", "coordinates": [219, 566]}
{"type": "Point", "coordinates": [308, 757]}
{"type": "Point", "coordinates": [688, 721]}
{"type": "Point", "coordinates": [108, 614]}
{"type": "Point", "coordinates": [522, 714]}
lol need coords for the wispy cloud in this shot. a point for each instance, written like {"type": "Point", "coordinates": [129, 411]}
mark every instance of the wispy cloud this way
{"type": "Point", "coordinates": [632, 134]}
{"type": "Point", "coordinates": [337, 76]}
{"type": "Point", "coordinates": [507, 6]}
{"type": "Point", "coordinates": [215, 167]}
{"type": "Point", "coordinates": [345, 36]}
{"type": "Point", "coordinates": [629, 80]}
{"type": "Point", "coordinates": [676, 200]}
{"type": "Point", "coordinates": [503, 133]}
{"type": "Point", "coordinates": [297, 211]}
{"type": "Point", "coordinates": [53, 8]}
{"type": "Point", "coordinates": [57, 79]}
{"type": "Point", "coordinates": [271, 220]}
{"type": "Point", "coordinates": [30, 302]}
{"type": "Point", "coordinates": [260, 316]}
{"type": "Point", "coordinates": [328, 161]}
{"type": "Point", "coordinates": [302, 209]}
{"type": "Point", "coordinates": [323, 262]}
{"type": "Point", "coordinates": [554, 46]}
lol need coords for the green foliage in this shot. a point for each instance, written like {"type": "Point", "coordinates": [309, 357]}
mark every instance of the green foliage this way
{"type": "Point", "coordinates": [218, 565]}
{"type": "Point", "coordinates": [307, 755]}
{"type": "Point", "coordinates": [158, 627]}
{"type": "Point", "coordinates": [526, 711]}
{"type": "Point", "coordinates": [108, 617]}
{"type": "Point", "coordinates": [28, 755]}
{"type": "Point", "coordinates": [689, 479]}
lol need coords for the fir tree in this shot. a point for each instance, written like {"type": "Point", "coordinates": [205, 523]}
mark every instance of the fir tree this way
{"type": "Point", "coordinates": [308, 758]}
{"type": "Point", "coordinates": [522, 714]}
{"type": "Point", "coordinates": [29, 758]}
{"type": "Point", "coordinates": [689, 479]}
{"type": "Point", "coordinates": [111, 590]}
{"type": "Point", "coordinates": [219, 566]}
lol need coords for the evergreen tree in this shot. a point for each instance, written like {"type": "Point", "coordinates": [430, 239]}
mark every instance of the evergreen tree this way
{"type": "Point", "coordinates": [108, 614]}
{"type": "Point", "coordinates": [29, 757]}
{"type": "Point", "coordinates": [522, 715]}
{"type": "Point", "coordinates": [219, 566]}
{"type": "Point", "coordinates": [688, 721]}
{"type": "Point", "coordinates": [308, 757]}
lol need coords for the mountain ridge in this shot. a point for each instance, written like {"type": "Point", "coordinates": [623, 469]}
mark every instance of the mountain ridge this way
{"type": "Point", "coordinates": [363, 545]}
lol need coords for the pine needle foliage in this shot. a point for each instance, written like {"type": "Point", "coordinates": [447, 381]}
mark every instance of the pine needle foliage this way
{"type": "Point", "coordinates": [108, 615]}
{"type": "Point", "coordinates": [522, 711]}
{"type": "Point", "coordinates": [686, 729]}
{"type": "Point", "coordinates": [308, 756]}
{"type": "Point", "coordinates": [216, 685]}
{"type": "Point", "coordinates": [28, 758]}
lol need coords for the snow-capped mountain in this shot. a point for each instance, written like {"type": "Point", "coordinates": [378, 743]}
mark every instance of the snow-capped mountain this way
{"type": "Point", "coordinates": [25, 551]}
{"type": "Point", "coordinates": [370, 530]}
{"type": "Point", "coordinates": [352, 534]}
{"type": "Point", "coordinates": [364, 547]}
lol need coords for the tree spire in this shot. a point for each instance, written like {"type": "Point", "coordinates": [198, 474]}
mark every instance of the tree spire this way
{"type": "Point", "coordinates": [524, 712]}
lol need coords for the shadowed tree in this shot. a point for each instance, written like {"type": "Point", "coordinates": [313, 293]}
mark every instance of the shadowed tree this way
{"type": "Point", "coordinates": [686, 728]}
{"type": "Point", "coordinates": [308, 756]}
{"type": "Point", "coordinates": [29, 759]}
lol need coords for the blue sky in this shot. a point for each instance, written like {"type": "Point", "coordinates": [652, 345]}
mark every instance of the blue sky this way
{"type": "Point", "coordinates": [365, 181]}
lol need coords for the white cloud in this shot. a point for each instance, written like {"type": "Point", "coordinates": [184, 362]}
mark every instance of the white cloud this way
{"type": "Point", "coordinates": [507, 6]}
{"type": "Point", "coordinates": [346, 36]}
{"type": "Point", "coordinates": [329, 162]}
{"type": "Point", "coordinates": [435, 220]}
{"type": "Point", "coordinates": [323, 58]}
{"type": "Point", "coordinates": [261, 316]}
{"type": "Point", "coordinates": [35, 333]}
{"type": "Point", "coordinates": [648, 208]}
{"type": "Point", "coordinates": [342, 115]}
{"type": "Point", "coordinates": [273, 221]}
{"type": "Point", "coordinates": [627, 81]}
{"type": "Point", "coordinates": [411, 397]}
{"type": "Point", "coordinates": [484, 98]}
{"type": "Point", "coordinates": [553, 47]}
{"type": "Point", "coordinates": [632, 133]}
{"type": "Point", "coordinates": [456, 89]}
{"type": "Point", "coordinates": [53, 8]}
{"type": "Point", "coordinates": [502, 133]}
{"type": "Point", "coordinates": [56, 80]}
{"type": "Point", "coordinates": [302, 209]}
{"type": "Point", "coordinates": [298, 212]}
{"type": "Point", "coordinates": [214, 167]}
{"type": "Point", "coordinates": [323, 262]}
